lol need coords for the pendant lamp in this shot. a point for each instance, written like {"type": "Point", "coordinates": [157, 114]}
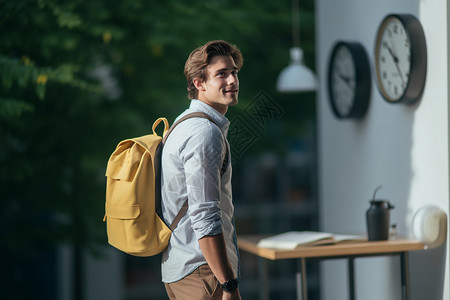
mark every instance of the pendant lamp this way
{"type": "Point", "coordinates": [296, 77]}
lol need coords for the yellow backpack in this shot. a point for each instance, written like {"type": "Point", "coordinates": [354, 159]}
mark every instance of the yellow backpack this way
{"type": "Point", "coordinates": [133, 216]}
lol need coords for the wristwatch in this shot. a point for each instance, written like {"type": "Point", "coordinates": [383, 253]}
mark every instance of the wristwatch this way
{"type": "Point", "coordinates": [230, 285]}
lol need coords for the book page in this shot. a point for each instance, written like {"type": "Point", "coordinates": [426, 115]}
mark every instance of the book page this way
{"type": "Point", "coordinates": [349, 238]}
{"type": "Point", "coordinates": [293, 239]}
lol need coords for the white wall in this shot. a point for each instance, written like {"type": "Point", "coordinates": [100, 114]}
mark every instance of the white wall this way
{"type": "Point", "coordinates": [403, 148]}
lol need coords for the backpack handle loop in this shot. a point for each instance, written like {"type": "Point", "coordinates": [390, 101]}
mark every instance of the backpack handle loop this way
{"type": "Point", "coordinates": [166, 125]}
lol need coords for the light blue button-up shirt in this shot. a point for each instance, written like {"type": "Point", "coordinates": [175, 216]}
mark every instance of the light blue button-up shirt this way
{"type": "Point", "coordinates": [192, 160]}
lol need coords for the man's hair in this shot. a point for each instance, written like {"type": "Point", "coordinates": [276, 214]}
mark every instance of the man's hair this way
{"type": "Point", "coordinates": [200, 58]}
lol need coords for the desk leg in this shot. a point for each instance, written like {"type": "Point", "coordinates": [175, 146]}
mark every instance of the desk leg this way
{"type": "Point", "coordinates": [302, 292]}
{"type": "Point", "coordinates": [404, 264]}
{"type": "Point", "coordinates": [263, 279]}
{"type": "Point", "coordinates": [351, 277]}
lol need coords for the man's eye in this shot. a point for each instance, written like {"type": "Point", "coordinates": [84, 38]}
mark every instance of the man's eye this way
{"type": "Point", "coordinates": [221, 74]}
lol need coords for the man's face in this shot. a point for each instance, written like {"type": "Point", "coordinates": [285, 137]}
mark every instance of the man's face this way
{"type": "Point", "coordinates": [221, 88]}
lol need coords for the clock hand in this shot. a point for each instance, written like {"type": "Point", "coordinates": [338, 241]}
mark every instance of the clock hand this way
{"type": "Point", "coordinates": [399, 72]}
{"type": "Point", "coordinates": [346, 79]}
{"type": "Point", "coordinates": [396, 61]}
{"type": "Point", "coordinates": [393, 48]}
{"type": "Point", "coordinates": [391, 52]}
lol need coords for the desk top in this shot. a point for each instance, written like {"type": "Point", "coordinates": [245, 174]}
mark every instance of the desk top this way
{"type": "Point", "coordinates": [249, 244]}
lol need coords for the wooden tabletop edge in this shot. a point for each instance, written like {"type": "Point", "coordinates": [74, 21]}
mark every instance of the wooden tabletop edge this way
{"type": "Point", "coordinates": [249, 244]}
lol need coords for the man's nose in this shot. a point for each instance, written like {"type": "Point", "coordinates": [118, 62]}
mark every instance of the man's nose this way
{"type": "Point", "coordinates": [232, 79]}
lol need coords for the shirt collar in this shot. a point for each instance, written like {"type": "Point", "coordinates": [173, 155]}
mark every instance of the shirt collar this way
{"type": "Point", "coordinates": [221, 120]}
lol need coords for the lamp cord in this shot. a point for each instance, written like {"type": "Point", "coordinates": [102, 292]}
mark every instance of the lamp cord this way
{"type": "Point", "coordinates": [295, 23]}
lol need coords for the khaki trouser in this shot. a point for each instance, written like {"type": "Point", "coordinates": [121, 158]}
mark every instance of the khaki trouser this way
{"type": "Point", "coordinates": [199, 285]}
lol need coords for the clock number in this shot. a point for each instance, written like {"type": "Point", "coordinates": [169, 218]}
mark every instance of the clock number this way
{"type": "Point", "coordinates": [396, 29]}
{"type": "Point", "coordinates": [407, 43]}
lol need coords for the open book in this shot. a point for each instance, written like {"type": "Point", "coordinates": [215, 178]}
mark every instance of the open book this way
{"type": "Point", "coordinates": [294, 239]}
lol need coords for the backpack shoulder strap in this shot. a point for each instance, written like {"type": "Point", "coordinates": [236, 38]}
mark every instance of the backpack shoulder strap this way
{"type": "Point", "coordinates": [185, 206]}
{"type": "Point", "coordinates": [184, 118]}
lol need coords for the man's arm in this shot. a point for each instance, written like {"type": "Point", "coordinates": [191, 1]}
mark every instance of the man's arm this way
{"type": "Point", "coordinates": [215, 253]}
{"type": "Point", "coordinates": [202, 164]}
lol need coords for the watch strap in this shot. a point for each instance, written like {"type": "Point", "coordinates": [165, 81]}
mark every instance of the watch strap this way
{"type": "Point", "coordinates": [230, 285]}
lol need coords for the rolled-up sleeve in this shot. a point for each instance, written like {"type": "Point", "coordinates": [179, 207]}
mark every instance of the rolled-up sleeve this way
{"type": "Point", "coordinates": [203, 158]}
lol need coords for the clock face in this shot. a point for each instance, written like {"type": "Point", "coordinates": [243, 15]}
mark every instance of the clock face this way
{"type": "Point", "coordinates": [349, 84]}
{"type": "Point", "coordinates": [343, 82]}
{"type": "Point", "coordinates": [393, 59]}
{"type": "Point", "coordinates": [401, 58]}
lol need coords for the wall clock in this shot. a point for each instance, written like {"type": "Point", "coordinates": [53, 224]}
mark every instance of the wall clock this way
{"type": "Point", "coordinates": [401, 58]}
{"type": "Point", "coordinates": [349, 84]}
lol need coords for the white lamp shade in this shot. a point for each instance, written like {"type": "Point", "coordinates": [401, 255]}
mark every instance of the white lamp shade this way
{"type": "Point", "coordinates": [296, 77]}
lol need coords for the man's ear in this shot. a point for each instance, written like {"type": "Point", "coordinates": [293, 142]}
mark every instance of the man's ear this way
{"type": "Point", "coordinates": [198, 84]}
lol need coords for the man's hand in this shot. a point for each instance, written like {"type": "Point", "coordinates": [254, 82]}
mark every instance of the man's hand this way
{"type": "Point", "coordinates": [215, 253]}
{"type": "Point", "coordinates": [234, 295]}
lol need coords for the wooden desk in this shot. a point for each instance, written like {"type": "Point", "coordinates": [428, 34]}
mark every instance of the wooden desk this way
{"type": "Point", "coordinates": [348, 251]}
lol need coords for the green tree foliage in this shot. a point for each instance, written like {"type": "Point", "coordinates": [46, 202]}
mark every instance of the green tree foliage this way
{"type": "Point", "coordinates": [78, 76]}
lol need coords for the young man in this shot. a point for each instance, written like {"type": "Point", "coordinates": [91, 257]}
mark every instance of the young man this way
{"type": "Point", "coordinates": [202, 259]}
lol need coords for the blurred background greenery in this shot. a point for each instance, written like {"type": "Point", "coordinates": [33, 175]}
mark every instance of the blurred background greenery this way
{"type": "Point", "coordinates": [76, 77]}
